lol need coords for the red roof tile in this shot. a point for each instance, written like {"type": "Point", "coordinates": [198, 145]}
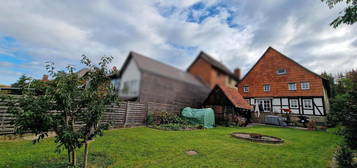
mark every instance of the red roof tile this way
{"type": "Point", "coordinates": [236, 99]}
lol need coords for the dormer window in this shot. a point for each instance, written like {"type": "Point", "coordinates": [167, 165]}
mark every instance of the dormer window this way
{"type": "Point", "coordinates": [246, 89]}
{"type": "Point", "coordinates": [281, 71]}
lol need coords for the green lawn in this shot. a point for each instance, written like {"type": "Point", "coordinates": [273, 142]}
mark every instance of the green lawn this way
{"type": "Point", "coordinates": [146, 147]}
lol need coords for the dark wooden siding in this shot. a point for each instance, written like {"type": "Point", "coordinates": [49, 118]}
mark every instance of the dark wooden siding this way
{"type": "Point", "coordinates": [157, 89]}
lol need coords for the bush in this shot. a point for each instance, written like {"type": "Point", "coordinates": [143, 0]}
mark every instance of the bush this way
{"type": "Point", "coordinates": [165, 118]}
{"type": "Point", "coordinates": [171, 121]}
{"type": "Point", "coordinates": [344, 156]}
{"type": "Point", "coordinates": [337, 112]}
{"type": "Point", "coordinates": [150, 119]}
{"type": "Point", "coordinates": [177, 126]}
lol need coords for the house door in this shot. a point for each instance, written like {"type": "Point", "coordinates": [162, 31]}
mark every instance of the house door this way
{"type": "Point", "coordinates": [265, 104]}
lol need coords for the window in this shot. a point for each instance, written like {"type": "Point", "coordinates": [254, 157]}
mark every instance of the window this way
{"type": "Point", "coordinates": [305, 85]}
{"type": "Point", "coordinates": [294, 103]}
{"type": "Point", "coordinates": [245, 89]}
{"type": "Point", "coordinates": [264, 104]}
{"type": "Point", "coordinates": [281, 71]}
{"type": "Point", "coordinates": [130, 88]}
{"type": "Point", "coordinates": [292, 86]}
{"type": "Point", "coordinates": [266, 88]}
{"type": "Point", "coordinates": [307, 103]}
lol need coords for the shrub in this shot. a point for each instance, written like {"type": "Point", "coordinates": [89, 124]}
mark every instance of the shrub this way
{"type": "Point", "coordinates": [171, 121]}
{"type": "Point", "coordinates": [150, 119]}
{"type": "Point", "coordinates": [165, 118]}
{"type": "Point", "coordinates": [344, 156]}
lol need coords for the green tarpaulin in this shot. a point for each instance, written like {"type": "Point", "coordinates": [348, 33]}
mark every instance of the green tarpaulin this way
{"type": "Point", "coordinates": [204, 117]}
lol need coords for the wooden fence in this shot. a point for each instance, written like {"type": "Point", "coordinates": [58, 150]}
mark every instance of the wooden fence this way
{"type": "Point", "coordinates": [124, 114]}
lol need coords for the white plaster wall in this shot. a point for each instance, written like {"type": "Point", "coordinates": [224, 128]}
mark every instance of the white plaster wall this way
{"type": "Point", "coordinates": [131, 73]}
{"type": "Point", "coordinates": [276, 101]}
{"type": "Point", "coordinates": [295, 111]}
{"type": "Point", "coordinates": [327, 103]}
{"type": "Point", "coordinates": [276, 109]}
{"type": "Point", "coordinates": [252, 101]}
{"type": "Point", "coordinates": [285, 101]}
{"type": "Point", "coordinates": [308, 111]}
{"type": "Point", "coordinates": [318, 101]}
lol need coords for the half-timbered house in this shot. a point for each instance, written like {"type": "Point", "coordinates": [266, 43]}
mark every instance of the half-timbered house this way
{"type": "Point", "coordinates": [277, 82]}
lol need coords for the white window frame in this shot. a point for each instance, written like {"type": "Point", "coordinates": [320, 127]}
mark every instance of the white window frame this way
{"type": "Point", "coordinates": [305, 85]}
{"type": "Point", "coordinates": [292, 84]}
{"type": "Point", "coordinates": [281, 73]}
{"type": "Point", "coordinates": [294, 103]}
{"type": "Point", "coordinates": [307, 102]}
{"type": "Point", "coordinates": [266, 104]}
{"type": "Point", "coordinates": [246, 89]}
{"type": "Point", "coordinates": [266, 88]}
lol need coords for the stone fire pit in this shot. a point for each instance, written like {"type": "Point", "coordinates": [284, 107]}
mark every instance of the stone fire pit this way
{"type": "Point", "coordinates": [257, 138]}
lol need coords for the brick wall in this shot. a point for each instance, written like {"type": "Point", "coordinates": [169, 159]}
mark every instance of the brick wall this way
{"type": "Point", "coordinates": [265, 73]}
{"type": "Point", "coordinates": [208, 74]}
{"type": "Point", "coordinates": [203, 70]}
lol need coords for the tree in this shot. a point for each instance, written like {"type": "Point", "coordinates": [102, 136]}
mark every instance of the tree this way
{"type": "Point", "coordinates": [331, 82]}
{"type": "Point", "coordinates": [23, 81]}
{"type": "Point", "coordinates": [349, 15]}
{"type": "Point", "coordinates": [69, 105]}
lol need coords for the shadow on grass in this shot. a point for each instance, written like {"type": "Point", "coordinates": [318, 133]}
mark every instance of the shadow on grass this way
{"type": "Point", "coordinates": [95, 160]}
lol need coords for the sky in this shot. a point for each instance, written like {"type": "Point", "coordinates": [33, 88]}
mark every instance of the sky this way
{"type": "Point", "coordinates": [235, 32]}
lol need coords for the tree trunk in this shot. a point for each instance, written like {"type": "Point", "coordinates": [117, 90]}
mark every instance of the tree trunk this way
{"type": "Point", "coordinates": [85, 159]}
{"type": "Point", "coordinates": [74, 158]}
{"type": "Point", "coordinates": [69, 157]}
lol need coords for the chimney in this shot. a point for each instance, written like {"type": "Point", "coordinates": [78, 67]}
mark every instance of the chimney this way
{"type": "Point", "coordinates": [45, 78]}
{"type": "Point", "coordinates": [237, 73]}
{"type": "Point", "coordinates": [115, 68]}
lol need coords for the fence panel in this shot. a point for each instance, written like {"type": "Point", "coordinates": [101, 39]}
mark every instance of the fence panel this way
{"type": "Point", "coordinates": [123, 114]}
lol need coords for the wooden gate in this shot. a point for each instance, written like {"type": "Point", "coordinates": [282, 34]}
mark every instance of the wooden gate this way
{"type": "Point", "coordinates": [135, 114]}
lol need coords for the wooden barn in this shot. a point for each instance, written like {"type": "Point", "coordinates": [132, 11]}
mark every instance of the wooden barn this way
{"type": "Point", "coordinates": [227, 103]}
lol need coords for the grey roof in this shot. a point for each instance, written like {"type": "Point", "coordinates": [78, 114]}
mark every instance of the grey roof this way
{"type": "Point", "coordinates": [146, 64]}
{"type": "Point", "coordinates": [218, 65]}
{"type": "Point", "coordinates": [82, 72]}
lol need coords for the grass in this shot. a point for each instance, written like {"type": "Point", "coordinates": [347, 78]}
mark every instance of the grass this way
{"type": "Point", "coordinates": [146, 147]}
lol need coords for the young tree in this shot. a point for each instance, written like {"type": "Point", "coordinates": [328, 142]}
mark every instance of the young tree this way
{"type": "Point", "coordinates": [349, 14]}
{"type": "Point", "coordinates": [70, 105]}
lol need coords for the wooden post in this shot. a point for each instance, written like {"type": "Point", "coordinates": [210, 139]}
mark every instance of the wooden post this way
{"type": "Point", "coordinates": [126, 113]}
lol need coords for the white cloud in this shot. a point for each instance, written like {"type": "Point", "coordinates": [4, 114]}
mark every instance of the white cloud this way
{"type": "Point", "coordinates": [61, 31]}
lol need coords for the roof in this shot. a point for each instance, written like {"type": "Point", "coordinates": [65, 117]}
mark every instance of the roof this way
{"type": "Point", "coordinates": [82, 72]}
{"type": "Point", "coordinates": [230, 94]}
{"type": "Point", "coordinates": [233, 95]}
{"type": "Point", "coordinates": [271, 49]}
{"type": "Point", "coordinates": [214, 63]}
{"type": "Point", "coordinates": [146, 64]}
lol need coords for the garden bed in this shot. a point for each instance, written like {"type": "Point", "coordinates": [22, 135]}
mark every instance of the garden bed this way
{"type": "Point", "coordinates": [176, 127]}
